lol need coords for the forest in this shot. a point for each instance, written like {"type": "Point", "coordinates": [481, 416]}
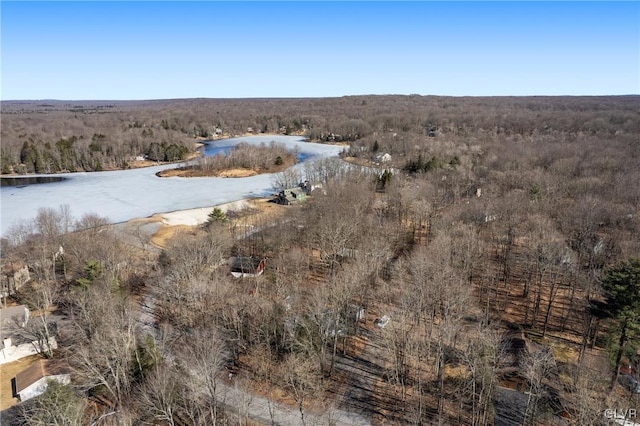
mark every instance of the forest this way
{"type": "Point", "coordinates": [488, 273]}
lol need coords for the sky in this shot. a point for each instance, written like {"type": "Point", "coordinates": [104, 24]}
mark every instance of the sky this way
{"type": "Point", "coordinates": [124, 50]}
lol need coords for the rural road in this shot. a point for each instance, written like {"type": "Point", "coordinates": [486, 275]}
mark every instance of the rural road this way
{"type": "Point", "coordinates": [244, 404]}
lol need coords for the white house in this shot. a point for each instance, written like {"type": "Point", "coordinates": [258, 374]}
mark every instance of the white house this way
{"type": "Point", "coordinates": [383, 157]}
{"type": "Point", "coordinates": [33, 380]}
{"type": "Point", "coordinates": [14, 348]}
{"type": "Point", "coordinates": [14, 345]}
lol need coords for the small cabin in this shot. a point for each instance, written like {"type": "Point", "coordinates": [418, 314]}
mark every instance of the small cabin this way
{"type": "Point", "coordinates": [246, 267]}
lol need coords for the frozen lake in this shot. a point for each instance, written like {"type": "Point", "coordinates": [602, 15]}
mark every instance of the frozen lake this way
{"type": "Point", "coordinates": [126, 194]}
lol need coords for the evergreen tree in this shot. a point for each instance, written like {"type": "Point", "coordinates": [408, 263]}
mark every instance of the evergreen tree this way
{"type": "Point", "coordinates": [92, 270]}
{"type": "Point", "coordinates": [621, 285]}
{"type": "Point", "coordinates": [217, 215]}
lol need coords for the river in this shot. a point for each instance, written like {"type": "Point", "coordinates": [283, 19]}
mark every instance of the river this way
{"type": "Point", "coordinates": [127, 194]}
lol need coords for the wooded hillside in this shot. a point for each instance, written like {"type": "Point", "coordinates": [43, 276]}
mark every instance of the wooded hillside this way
{"type": "Point", "coordinates": [487, 273]}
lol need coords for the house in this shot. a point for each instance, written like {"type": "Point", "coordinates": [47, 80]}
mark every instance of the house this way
{"type": "Point", "coordinates": [382, 157]}
{"type": "Point", "coordinates": [14, 276]}
{"type": "Point", "coordinates": [15, 344]}
{"type": "Point", "coordinates": [510, 406]}
{"type": "Point", "coordinates": [309, 187]}
{"type": "Point", "coordinates": [33, 380]}
{"type": "Point", "coordinates": [354, 312]}
{"type": "Point", "coordinates": [246, 267]}
{"type": "Point", "coordinates": [346, 253]}
{"type": "Point", "coordinates": [290, 196]}
{"type": "Point", "coordinates": [14, 316]}
{"type": "Point", "coordinates": [343, 322]}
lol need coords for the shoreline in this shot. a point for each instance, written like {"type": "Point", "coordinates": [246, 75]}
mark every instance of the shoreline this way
{"type": "Point", "coordinates": [157, 229]}
{"type": "Point", "coordinates": [142, 164]}
{"type": "Point", "coordinates": [138, 193]}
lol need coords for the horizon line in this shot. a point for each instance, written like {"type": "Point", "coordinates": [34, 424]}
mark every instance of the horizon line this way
{"type": "Point", "coordinates": [311, 97]}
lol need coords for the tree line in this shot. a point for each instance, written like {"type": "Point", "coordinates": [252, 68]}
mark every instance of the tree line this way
{"type": "Point", "coordinates": [67, 136]}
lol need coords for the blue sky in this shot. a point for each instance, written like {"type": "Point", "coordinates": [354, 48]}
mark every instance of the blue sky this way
{"type": "Point", "coordinates": [160, 50]}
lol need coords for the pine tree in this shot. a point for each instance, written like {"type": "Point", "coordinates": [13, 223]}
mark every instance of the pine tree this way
{"type": "Point", "coordinates": [621, 285]}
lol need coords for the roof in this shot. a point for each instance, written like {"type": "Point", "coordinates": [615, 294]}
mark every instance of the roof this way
{"type": "Point", "coordinates": [382, 155]}
{"type": "Point", "coordinates": [38, 370]}
{"type": "Point", "coordinates": [11, 268]}
{"type": "Point", "coordinates": [246, 265]}
{"type": "Point", "coordinates": [294, 192]}
{"type": "Point", "coordinates": [8, 316]}
{"type": "Point", "coordinates": [347, 252]}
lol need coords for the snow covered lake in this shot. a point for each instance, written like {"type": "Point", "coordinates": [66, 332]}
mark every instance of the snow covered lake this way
{"type": "Point", "coordinates": [127, 194]}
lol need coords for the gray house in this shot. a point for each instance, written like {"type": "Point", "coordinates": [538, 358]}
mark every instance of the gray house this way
{"type": "Point", "coordinates": [14, 276]}
{"type": "Point", "coordinates": [14, 316]}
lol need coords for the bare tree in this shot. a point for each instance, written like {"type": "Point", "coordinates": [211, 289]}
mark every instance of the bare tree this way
{"type": "Point", "coordinates": [302, 378]}
{"type": "Point", "coordinates": [205, 355]}
{"type": "Point", "coordinates": [536, 367]}
{"type": "Point", "coordinates": [105, 345]}
{"type": "Point", "coordinates": [40, 297]}
{"type": "Point", "coordinates": [289, 178]}
{"type": "Point", "coordinates": [483, 356]}
{"type": "Point", "coordinates": [585, 399]}
{"type": "Point", "coordinates": [160, 395]}
{"type": "Point", "coordinates": [189, 256]}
